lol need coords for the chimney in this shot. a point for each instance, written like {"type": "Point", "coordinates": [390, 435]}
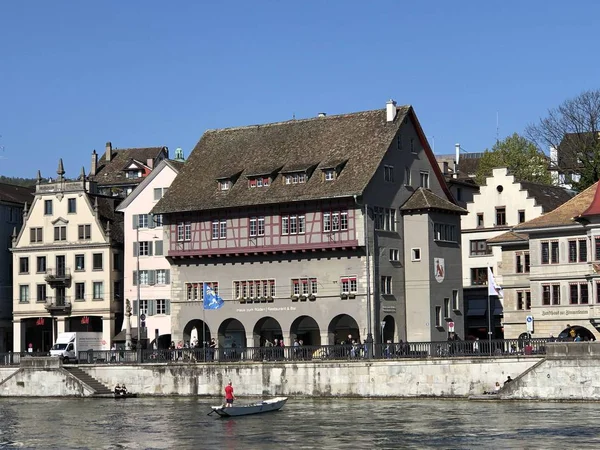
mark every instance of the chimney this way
{"type": "Point", "coordinates": [108, 152]}
{"type": "Point", "coordinates": [322, 114]}
{"type": "Point", "coordinates": [390, 109]}
{"type": "Point", "coordinates": [150, 163]}
{"type": "Point", "coordinates": [457, 149]}
{"type": "Point", "coordinates": [94, 167]}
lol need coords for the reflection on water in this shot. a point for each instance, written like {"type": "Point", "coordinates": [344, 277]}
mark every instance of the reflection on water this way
{"type": "Point", "coordinates": [302, 424]}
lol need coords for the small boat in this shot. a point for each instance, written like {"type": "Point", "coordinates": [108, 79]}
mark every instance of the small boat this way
{"type": "Point", "coordinates": [127, 395]}
{"type": "Point", "coordinates": [264, 406]}
{"type": "Point", "coordinates": [485, 397]}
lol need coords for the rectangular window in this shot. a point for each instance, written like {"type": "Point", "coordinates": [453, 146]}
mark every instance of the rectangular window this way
{"type": "Point", "coordinates": [386, 285]}
{"type": "Point", "coordinates": [407, 176]}
{"type": "Point", "coordinates": [577, 250]}
{"type": "Point", "coordinates": [479, 276]}
{"type": "Point", "coordinates": [253, 227]}
{"type": "Point", "coordinates": [47, 207]}
{"type": "Point", "coordinates": [578, 293]}
{"type": "Point", "coordinates": [85, 232]}
{"type": "Point", "coordinates": [293, 224]}
{"type": "Point", "coordinates": [215, 229]}
{"type": "Point", "coordinates": [523, 300]}
{"type": "Point", "coordinates": [384, 218]}
{"type": "Point", "coordinates": [41, 293]}
{"type": "Point", "coordinates": [455, 301]}
{"type": "Point", "coordinates": [79, 262]}
{"type": "Point", "coordinates": [349, 285]}
{"type": "Point", "coordinates": [329, 175]}
{"type": "Point", "coordinates": [24, 265]}
{"type": "Point", "coordinates": [79, 291]}
{"type": "Point", "coordinates": [394, 255]}
{"type": "Point", "coordinates": [522, 262]}
{"type": "Point", "coordinates": [415, 254]}
{"type": "Point", "coordinates": [545, 252]}
{"type": "Point", "coordinates": [446, 308]}
{"type": "Point", "coordinates": [187, 232]}
{"type": "Point", "coordinates": [161, 306]}
{"type": "Point", "coordinates": [521, 216]}
{"type": "Point", "coordinates": [444, 232]}
{"type": "Point", "coordinates": [412, 145]}
{"type": "Point", "coordinates": [144, 277]}
{"type": "Point", "coordinates": [479, 247]}
{"type": "Point", "coordinates": [223, 229]}
{"type": "Point", "coordinates": [143, 221]}
{"type": "Point", "coordinates": [41, 264]}
{"type": "Point", "coordinates": [261, 226]}
{"type": "Point", "coordinates": [60, 233]}
{"type": "Point", "coordinates": [35, 235]}
{"type": "Point", "coordinates": [546, 296]}
{"type": "Point", "coordinates": [554, 252]}
{"type": "Point", "coordinates": [224, 185]}
{"type": "Point", "coordinates": [556, 294]}
{"type": "Point", "coordinates": [97, 261]}
{"type": "Point", "coordinates": [597, 248]}
{"type": "Point", "coordinates": [143, 307]}
{"type": "Point", "coordinates": [424, 181]}
{"type": "Point", "coordinates": [144, 248]}
{"type": "Point", "coordinates": [388, 174]}
{"type": "Point", "coordinates": [479, 220]}
{"type": "Point", "coordinates": [72, 205]}
{"type": "Point", "coordinates": [24, 293]}
{"type": "Point", "coordinates": [500, 216]}
{"type": "Point", "coordinates": [438, 316]}
{"type": "Point", "coordinates": [180, 232]}
{"type": "Point", "coordinates": [157, 194]}
{"type": "Point", "coordinates": [162, 276]}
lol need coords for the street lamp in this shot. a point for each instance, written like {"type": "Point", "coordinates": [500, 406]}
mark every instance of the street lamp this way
{"type": "Point", "coordinates": [382, 328]}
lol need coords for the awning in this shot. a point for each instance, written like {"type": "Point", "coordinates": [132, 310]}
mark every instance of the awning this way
{"type": "Point", "coordinates": [477, 307]}
{"type": "Point", "coordinates": [120, 337]}
{"type": "Point", "coordinates": [498, 312]}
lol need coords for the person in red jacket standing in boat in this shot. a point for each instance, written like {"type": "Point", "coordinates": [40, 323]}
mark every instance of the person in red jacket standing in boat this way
{"type": "Point", "coordinates": [229, 397]}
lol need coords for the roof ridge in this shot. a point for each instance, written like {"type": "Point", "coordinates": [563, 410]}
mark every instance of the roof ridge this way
{"type": "Point", "coordinates": [307, 119]}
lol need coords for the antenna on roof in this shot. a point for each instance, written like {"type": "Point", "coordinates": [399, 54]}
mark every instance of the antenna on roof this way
{"type": "Point", "coordinates": [293, 116]}
{"type": "Point", "coordinates": [497, 128]}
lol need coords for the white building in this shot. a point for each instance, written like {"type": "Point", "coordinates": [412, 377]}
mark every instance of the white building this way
{"type": "Point", "coordinates": [502, 203]}
{"type": "Point", "coordinates": [67, 264]}
{"type": "Point", "coordinates": [144, 252]}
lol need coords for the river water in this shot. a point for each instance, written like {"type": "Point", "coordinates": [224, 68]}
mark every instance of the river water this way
{"type": "Point", "coordinates": [182, 423]}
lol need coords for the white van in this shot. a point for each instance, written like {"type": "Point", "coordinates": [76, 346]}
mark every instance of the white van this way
{"type": "Point", "coordinates": [68, 345]}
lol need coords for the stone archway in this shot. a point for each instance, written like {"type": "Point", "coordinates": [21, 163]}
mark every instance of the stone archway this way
{"type": "Point", "coordinates": [389, 329]}
{"type": "Point", "coordinates": [572, 331]}
{"type": "Point", "coordinates": [343, 326]}
{"type": "Point", "coordinates": [265, 329]}
{"type": "Point", "coordinates": [197, 328]}
{"type": "Point", "coordinates": [232, 339]}
{"type": "Point", "coordinates": [305, 329]}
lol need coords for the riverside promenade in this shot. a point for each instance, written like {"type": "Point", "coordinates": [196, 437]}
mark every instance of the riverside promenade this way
{"type": "Point", "coordinates": [561, 371]}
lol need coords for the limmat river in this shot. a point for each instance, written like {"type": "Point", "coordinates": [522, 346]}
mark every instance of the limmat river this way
{"type": "Point", "coordinates": [183, 423]}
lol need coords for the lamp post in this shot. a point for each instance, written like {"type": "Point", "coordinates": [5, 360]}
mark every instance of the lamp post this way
{"type": "Point", "coordinates": [139, 305]}
{"type": "Point", "coordinates": [368, 267]}
{"type": "Point", "coordinates": [382, 329]}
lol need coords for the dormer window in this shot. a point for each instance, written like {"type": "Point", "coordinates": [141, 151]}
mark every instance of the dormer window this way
{"type": "Point", "coordinates": [133, 174]}
{"type": "Point", "coordinates": [259, 182]}
{"type": "Point", "coordinates": [295, 178]}
{"type": "Point", "coordinates": [224, 185]}
{"type": "Point", "coordinates": [329, 175]}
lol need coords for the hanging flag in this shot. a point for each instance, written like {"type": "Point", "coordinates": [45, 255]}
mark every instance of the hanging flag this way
{"type": "Point", "coordinates": [493, 288]}
{"type": "Point", "coordinates": [211, 299]}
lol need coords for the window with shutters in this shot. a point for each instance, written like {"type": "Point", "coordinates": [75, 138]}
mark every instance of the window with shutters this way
{"type": "Point", "coordinates": [143, 308]}
{"type": "Point", "coordinates": [162, 276]}
{"type": "Point", "coordinates": [143, 221]}
{"type": "Point", "coordinates": [145, 248]}
{"type": "Point", "coordinates": [158, 248]}
{"type": "Point", "coordinates": [161, 306]}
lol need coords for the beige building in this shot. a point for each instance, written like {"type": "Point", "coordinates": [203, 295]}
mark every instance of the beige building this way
{"type": "Point", "coordinates": [67, 264]}
{"type": "Point", "coordinates": [501, 204]}
{"type": "Point", "coordinates": [551, 271]}
{"type": "Point", "coordinates": [147, 271]}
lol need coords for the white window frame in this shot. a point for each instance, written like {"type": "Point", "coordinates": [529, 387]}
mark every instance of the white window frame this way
{"type": "Point", "coordinates": [415, 254]}
{"type": "Point", "coordinates": [394, 254]}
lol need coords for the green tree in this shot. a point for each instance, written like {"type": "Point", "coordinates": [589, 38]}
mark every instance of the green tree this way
{"type": "Point", "coordinates": [573, 130]}
{"type": "Point", "coordinates": [520, 156]}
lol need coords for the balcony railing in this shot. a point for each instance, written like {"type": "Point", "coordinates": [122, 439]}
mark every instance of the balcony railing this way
{"type": "Point", "coordinates": [58, 277]}
{"type": "Point", "coordinates": [58, 304]}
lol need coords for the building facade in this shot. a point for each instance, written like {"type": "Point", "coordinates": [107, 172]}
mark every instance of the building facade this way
{"type": "Point", "coordinates": [147, 270]}
{"type": "Point", "coordinates": [67, 264]}
{"type": "Point", "coordinates": [12, 202]}
{"type": "Point", "coordinates": [298, 227]}
{"type": "Point", "coordinates": [562, 293]}
{"type": "Point", "coordinates": [501, 204]}
{"type": "Point", "coordinates": [119, 171]}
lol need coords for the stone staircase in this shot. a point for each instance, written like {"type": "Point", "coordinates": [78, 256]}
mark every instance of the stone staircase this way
{"type": "Point", "coordinates": [99, 388]}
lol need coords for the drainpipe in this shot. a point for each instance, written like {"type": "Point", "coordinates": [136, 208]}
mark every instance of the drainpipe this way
{"type": "Point", "coordinates": [368, 268]}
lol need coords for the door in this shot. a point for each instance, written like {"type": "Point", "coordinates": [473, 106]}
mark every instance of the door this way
{"type": "Point", "coordinates": [70, 352]}
{"type": "Point", "coordinates": [60, 266]}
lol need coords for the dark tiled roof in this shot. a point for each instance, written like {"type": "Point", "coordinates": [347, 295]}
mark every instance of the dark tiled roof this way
{"type": "Point", "coordinates": [548, 197]}
{"type": "Point", "coordinates": [564, 214]}
{"type": "Point", "coordinates": [468, 166]}
{"type": "Point", "coordinates": [111, 172]}
{"type": "Point", "coordinates": [360, 138]}
{"type": "Point", "coordinates": [424, 199]}
{"type": "Point", "coordinates": [509, 237]}
{"type": "Point", "coordinates": [16, 194]}
{"type": "Point", "coordinates": [106, 209]}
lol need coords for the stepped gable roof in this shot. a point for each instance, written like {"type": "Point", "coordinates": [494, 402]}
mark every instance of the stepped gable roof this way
{"type": "Point", "coordinates": [112, 172]}
{"type": "Point", "coordinates": [12, 193]}
{"type": "Point", "coordinates": [510, 237]}
{"type": "Point", "coordinates": [565, 214]}
{"type": "Point", "coordinates": [547, 196]}
{"type": "Point", "coordinates": [360, 138]}
{"type": "Point", "coordinates": [424, 199]}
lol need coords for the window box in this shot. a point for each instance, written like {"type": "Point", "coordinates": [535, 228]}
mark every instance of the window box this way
{"type": "Point", "coordinates": [294, 297]}
{"type": "Point", "coordinates": [344, 295]}
{"type": "Point", "coordinates": [269, 299]}
{"type": "Point", "coordinates": [303, 298]}
{"type": "Point", "coordinates": [312, 297]}
{"type": "Point", "coordinates": [352, 295]}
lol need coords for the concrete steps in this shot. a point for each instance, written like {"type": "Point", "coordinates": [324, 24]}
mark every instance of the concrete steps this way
{"type": "Point", "coordinates": [99, 388]}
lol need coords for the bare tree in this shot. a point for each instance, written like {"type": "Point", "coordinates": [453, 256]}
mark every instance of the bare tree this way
{"type": "Point", "coordinates": [572, 129]}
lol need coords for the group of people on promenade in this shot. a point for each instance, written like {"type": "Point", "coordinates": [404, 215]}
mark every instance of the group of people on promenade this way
{"type": "Point", "coordinates": [121, 390]}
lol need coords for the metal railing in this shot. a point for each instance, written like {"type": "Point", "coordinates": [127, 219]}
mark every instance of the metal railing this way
{"type": "Point", "coordinates": [401, 350]}
{"type": "Point", "coordinates": [14, 359]}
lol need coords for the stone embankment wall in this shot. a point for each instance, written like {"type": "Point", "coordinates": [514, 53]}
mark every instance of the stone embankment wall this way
{"type": "Point", "coordinates": [571, 371]}
{"type": "Point", "coordinates": [413, 378]}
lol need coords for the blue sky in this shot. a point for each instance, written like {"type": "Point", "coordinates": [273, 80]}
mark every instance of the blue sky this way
{"type": "Point", "coordinates": [74, 74]}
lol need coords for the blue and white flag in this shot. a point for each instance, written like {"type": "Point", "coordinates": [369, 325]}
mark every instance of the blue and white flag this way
{"type": "Point", "coordinates": [211, 299]}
